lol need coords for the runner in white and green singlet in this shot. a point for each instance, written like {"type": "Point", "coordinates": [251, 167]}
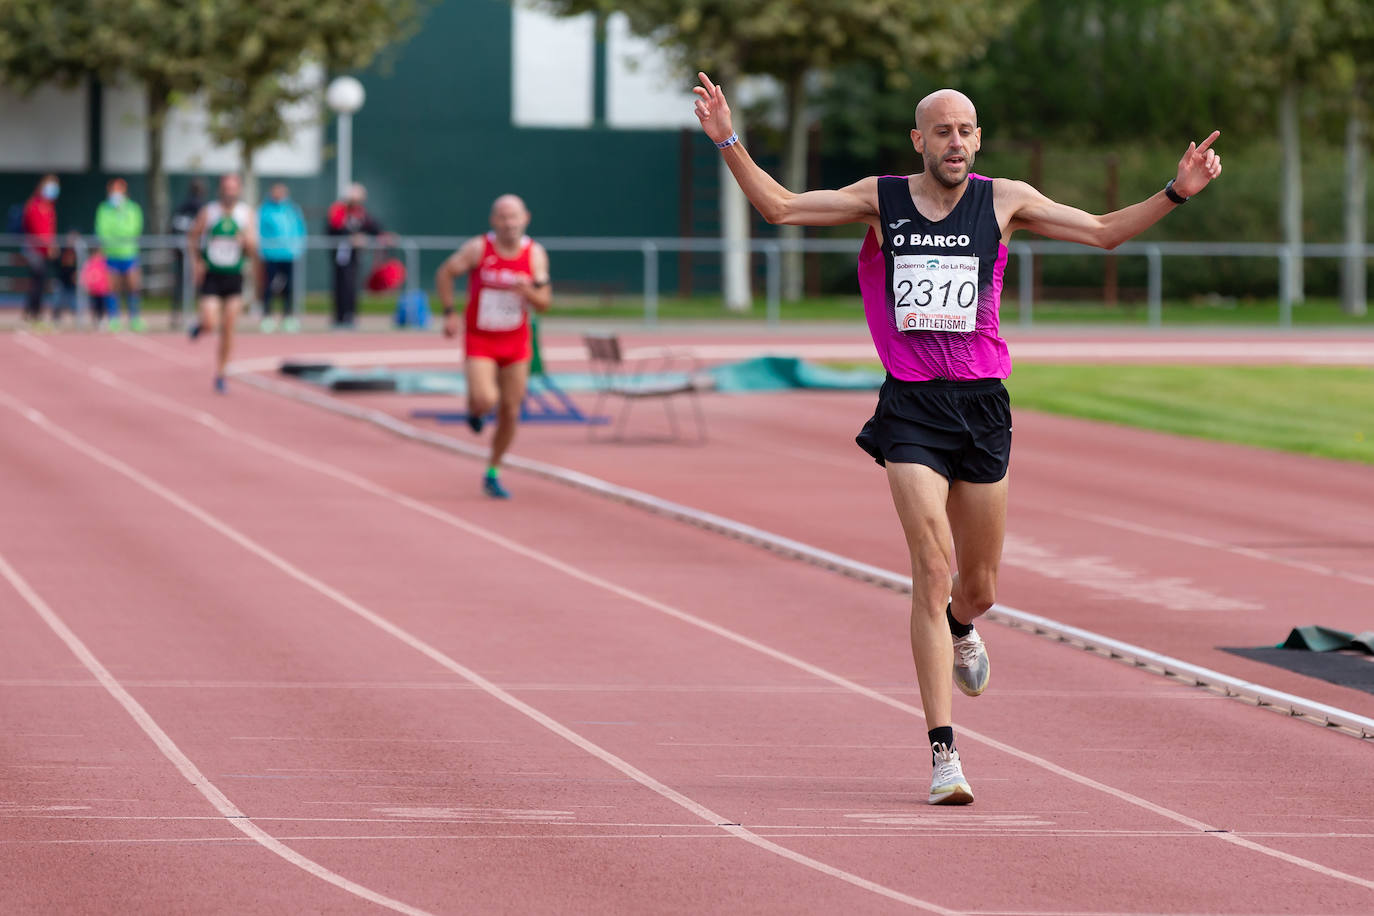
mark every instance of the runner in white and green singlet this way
{"type": "Point", "coordinates": [220, 241]}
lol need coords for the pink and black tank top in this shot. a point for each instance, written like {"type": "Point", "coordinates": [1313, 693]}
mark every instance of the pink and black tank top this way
{"type": "Point", "coordinates": [932, 289]}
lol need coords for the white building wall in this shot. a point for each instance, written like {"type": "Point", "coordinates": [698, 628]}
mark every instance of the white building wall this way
{"type": "Point", "coordinates": [553, 75]}
{"type": "Point", "coordinates": [643, 89]}
{"type": "Point", "coordinates": [551, 69]}
{"type": "Point", "coordinates": [45, 131]}
{"type": "Point", "coordinates": [186, 143]}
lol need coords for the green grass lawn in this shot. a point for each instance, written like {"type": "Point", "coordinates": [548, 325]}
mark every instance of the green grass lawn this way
{"type": "Point", "coordinates": [1311, 410]}
{"type": "Point", "coordinates": [1316, 311]}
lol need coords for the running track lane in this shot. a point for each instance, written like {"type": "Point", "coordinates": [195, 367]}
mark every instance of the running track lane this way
{"type": "Point", "coordinates": [667, 683]}
{"type": "Point", "coordinates": [1178, 545]}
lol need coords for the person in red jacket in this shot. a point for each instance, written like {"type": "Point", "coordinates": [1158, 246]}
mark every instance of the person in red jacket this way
{"type": "Point", "coordinates": [349, 218]}
{"type": "Point", "coordinates": [508, 274]}
{"type": "Point", "coordinates": [40, 243]}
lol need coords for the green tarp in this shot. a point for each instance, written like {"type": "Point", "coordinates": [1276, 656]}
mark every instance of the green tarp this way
{"type": "Point", "coordinates": [766, 373]}
{"type": "Point", "coordinates": [1325, 639]}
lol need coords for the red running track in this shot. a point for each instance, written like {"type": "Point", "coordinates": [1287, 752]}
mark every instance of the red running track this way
{"type": "Point", "coordinates": [451, 705]}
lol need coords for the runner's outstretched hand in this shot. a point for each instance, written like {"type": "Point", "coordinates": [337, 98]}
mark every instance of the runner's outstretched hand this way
{"type": "Point", "coordinates": [712, 110]}
{"type": "Point", "coordinates": [1199, 165]}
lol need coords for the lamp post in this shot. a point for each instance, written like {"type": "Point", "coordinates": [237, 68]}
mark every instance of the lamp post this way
{"type": "Point", "coordinates": [345, 96]}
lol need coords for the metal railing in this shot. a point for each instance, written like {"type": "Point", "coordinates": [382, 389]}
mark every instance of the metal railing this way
{"type": "Point", "coordinates": [652, 249]}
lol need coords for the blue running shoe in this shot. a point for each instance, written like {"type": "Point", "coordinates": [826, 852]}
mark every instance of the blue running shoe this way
{"type": "Point", "coordinates": [220, 387]}
{"type": "Point", "coordinates": [194, 330]}
{"type": "Point", "coordinates": [492, 487]}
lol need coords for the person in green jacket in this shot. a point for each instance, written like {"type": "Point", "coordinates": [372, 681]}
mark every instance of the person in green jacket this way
{"type": "Point", "coordinates": [118, 225]}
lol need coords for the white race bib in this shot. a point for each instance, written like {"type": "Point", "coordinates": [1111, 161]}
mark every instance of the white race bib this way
{"type": "Point", "coordinates": [223, 250]}
{"type": "Point", "coordinates": [500, 310]}
{"type": "Point", "coordinates": [935, 292]}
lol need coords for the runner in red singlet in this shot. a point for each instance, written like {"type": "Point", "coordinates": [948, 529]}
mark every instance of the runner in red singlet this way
{"type": "Point", "coordinates": [930, 273]}
{"type": "Point", "coordinates": [508, 273]}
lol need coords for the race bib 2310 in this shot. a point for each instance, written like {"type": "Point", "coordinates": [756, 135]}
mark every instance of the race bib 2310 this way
{"type": "Point", "coordinates": [933, 292]}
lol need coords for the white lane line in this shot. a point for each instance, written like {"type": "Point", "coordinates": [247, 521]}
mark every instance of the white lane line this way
{"type": "Point", "coordinates": [162, 352]}
{"type": "Point", "coordinates": [101, 457]}
{"type": "Point", "coordinates": [902, 823]}
{"type": "Point", "coordinates": [1194, 540]}
{"type": "Point", "coordinates": [850, 832]}
{"type": "Point", "coordinates": [644, 600]}
{"type": "Point", "coordinates": [1212, 352]}
{"type": "Point", "coordinates": [169, 749]}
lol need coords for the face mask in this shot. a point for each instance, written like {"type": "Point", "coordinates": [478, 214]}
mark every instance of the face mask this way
{"type": "Point", "coordinates": [116, 199]}
{"type": "Point", "coordinates": [50, 189]}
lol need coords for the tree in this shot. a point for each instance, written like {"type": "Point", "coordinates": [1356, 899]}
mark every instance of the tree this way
{"type": "Point", "coordinates": [244, 52]}
{"type": "Point", "coordinates": [1302, 54]}
{"type": "Point", "coordinates": [1355, 67]}
{"type": "Point", "coordinates": [272, 45]}
{"type": "Point", "coordinates": [794, 42]}
{"type": "Point", "coordinates": [159, 44]}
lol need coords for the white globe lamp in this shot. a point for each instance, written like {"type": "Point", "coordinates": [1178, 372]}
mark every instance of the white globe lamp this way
{"type": "Point", "coordinates": [344, 96]}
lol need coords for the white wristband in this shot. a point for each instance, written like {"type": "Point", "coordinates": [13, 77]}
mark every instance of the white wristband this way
{"type": "Point", "coordinates": [728, 141]}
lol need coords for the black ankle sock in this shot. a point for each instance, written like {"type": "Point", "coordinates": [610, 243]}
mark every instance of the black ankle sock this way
{"type": "Point", "coordinates": [942, 735]}
{"type": "Point", "coordinates": [959, 630]}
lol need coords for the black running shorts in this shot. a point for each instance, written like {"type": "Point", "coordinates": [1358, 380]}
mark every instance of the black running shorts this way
{"type": "Point", "coordinates": [222, 285]}
{"type": "Point", "coordinates": [961, 429]}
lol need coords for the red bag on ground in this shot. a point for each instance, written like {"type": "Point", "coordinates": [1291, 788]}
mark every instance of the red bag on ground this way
{"type": "Point", "coordinates": [388, 274]}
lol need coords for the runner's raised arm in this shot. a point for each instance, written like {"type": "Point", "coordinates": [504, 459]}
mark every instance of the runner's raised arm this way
{"type": "Point", "coordinates": [1023, 207]}
{"type": "Point", "coordinates": [857, 203]}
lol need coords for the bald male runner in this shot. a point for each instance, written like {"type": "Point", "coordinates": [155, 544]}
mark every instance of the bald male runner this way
{"type": "Point", "coordinates": [930, 272]}
{"type": "Point", "coordinates": [508, 274]}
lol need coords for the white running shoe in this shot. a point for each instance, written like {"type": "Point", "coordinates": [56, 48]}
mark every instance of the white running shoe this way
{"type": "Point", "coordinates": [947, 784]}
{"type": "Point", "coordinates": [971, 666]}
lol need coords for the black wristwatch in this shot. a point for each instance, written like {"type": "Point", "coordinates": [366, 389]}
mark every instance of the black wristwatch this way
{"type": "Point", "coordinates": [1173, 195]}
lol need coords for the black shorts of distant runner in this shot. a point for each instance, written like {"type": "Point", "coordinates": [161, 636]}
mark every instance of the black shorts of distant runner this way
{"type": "Point", "coordinates": [222, 285]}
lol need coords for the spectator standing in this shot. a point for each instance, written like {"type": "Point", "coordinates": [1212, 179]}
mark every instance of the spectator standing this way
{"type": "Point", "coordinates": [349, 218]}
{"type": "Point", "coordinates": [182, 220]}
{"type": "Point", "coordinates": [118, 226]}
{"type": "Point", "coordinates": [39, 225]}
{"type": "Point", "coordinates": [281, 237]}
{"type": "Point", "coordinates": [66, 279]}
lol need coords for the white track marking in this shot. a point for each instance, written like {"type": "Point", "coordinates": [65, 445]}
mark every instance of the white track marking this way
{"type": "Point", "coordinates": [169, 749]}
{"type": "Point", "coordinates": [910, 823]}
{"type": "Point", "coordinates": [1246, 352]}
{"type": "Point", "coordinates": [740, 639]}
{"type": "Point", "coordinates": [161, 351]}
{"type": "Point", "coordinates": [1194, 540]}
{"type": "Point", "coordinates": [101, 457]}
{"type": "Point", "coordinates": [1100, 574]}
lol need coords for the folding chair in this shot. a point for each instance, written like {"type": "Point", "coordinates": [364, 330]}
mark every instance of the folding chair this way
{"type": "Point", "coordinates": [662, 372]}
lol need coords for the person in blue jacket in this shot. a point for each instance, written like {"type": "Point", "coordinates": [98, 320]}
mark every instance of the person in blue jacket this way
{"type": "Point", "coordinates": [281, 235]}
